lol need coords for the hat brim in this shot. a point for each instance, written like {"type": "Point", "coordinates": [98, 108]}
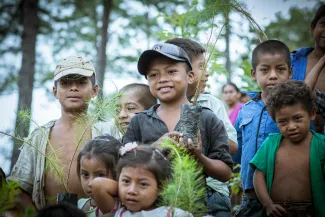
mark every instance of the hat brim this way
{"type": "Point", "coordinates": [147, 56]}
{"type": "Point", "coordinates": [74, 71]}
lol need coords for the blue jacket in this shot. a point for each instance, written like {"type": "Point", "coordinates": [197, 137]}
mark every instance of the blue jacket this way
{"type": "Point", "coordinates": [299, 62]}
{"type": "Point", "coordinates": [253, 125]}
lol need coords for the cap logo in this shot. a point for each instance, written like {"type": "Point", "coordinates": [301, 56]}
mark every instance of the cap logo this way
{"type": "Point", "coordinates": [157, 48]}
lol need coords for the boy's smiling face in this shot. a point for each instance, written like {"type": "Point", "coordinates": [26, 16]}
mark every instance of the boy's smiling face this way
{"type": "Point", "coordinates": [168, 79]}
{"type": "Point", "coordinates": [270, 70]}
{"type": "Point", "coordinates": [294, 122]}
{"type": "Point", "coordinates": [74, 92]}
{"type": "Point", "coordinates": [200, 74]}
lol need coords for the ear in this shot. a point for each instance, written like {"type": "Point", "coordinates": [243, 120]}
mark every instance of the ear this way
{"type": "Point", "coordinates": [191, 77]}
{"type": "Point", "coordinates": [95, 91]}
{"type": "Point", "coordinates": [55, 91]}
{"type": "Point", "coordinates": [253, 74]}
{"type": "Point", "coordinates": [313, 114]}
{"type": "Point", "coordinates": [290, 72]}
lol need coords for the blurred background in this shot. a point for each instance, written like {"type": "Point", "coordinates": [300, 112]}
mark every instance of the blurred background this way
{"type": "Point", "coordinates": [36, 34]}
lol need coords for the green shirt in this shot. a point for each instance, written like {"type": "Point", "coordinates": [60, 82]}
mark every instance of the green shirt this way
{"type": "Point", "coordinates": [264, 160]}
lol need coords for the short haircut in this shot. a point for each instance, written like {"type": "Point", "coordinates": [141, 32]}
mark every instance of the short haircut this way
{"type": "Point", "coordinates": [62, 210]}
{"type": "Point", "coordinates": [146, 99]}
{"type": "Point", "coordinates": [230, 84]}
{"type": "Point", "coordinates": [191, 47]}
{"type": "Point", "coordinates": [148, 158]}
{"type": "Point", "coordinates": [289, 93]}
{"type": "Point", "coordinates": [76, 76]}
{"type": "Point", "coordinates": [319, 14]}
{"type": "Point", "coordinates": [106, 148]}
{"type": "Point", "coordinates": [270, 47]}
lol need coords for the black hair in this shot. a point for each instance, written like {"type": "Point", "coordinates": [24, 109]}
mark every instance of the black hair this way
{"type": "Point", "coordinates": [146, 99]}
{"type": "Point", "coordinates": [191, 47]}
{"type": "Point", "coordinates": [289, 93]}
{"type": "Point", "coordinates": [76, 76]}
{"type": "Point", "coordinates": [270, 47]}
{"type": "Point", "coordinates": [62, 210]}
{"type": "Point", "coordinates": [105, 148]}
{"type": "Point", "coordinates": [231, 84]}
{"type": "Point", "coordinates": [149, 158]}
{"type": "Point", "coordinates": [319, 14]}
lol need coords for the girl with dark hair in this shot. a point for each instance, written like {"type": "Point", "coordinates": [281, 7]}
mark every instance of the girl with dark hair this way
{"type": "Point", "coordinates": [98, 158]}
{"type": "Point", "coordinates": [142, 171]}
{"type": "Point", "coordinates": [231, 95]}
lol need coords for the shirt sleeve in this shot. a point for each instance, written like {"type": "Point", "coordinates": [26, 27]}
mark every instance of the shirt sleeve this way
{"type": "Point", "coordinates": [259, 161]}
{"type": "Point", "coordinates": [237, 157]}
{"type": "Point", "coordinates": [320, 102]}
{"type": "Point", "coordinates": [219, 110]}
{"type": "Point", "coordinates": [219, 148]}
{"type": "Point", "coordinates": [23, 171]}
{"type": "Point", "coordinates": [133, 132]}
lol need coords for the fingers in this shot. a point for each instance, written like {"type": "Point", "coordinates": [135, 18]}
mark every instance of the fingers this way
{"type": "Point", "coordinates": [281, 209]}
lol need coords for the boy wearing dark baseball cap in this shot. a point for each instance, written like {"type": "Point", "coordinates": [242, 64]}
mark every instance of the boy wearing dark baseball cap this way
{"type": "Point", "coordinates": [168, 70]}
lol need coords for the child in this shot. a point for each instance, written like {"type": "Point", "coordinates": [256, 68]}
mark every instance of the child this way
{"type": "Point", "coordinates": [231, 94]}
{"type": "Point", "coordinates": [271, 65]}
{"type": "Point", "coordinates": [134, 98]}
{"type": "Point", "coordinates": [98, 158]}
{"type": "Point", "coordinates": [74, 85]}
{"type": "Point", "coordinates": [289, 176]}
{"type": "Point", "coordinates": [168, 70]}
{"type": "Point", "coordinates": [142, 172]}
{"type": "Point", "coordinates": [218, 192]}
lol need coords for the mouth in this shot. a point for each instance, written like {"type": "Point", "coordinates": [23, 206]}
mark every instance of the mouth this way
{"type": "Point", "coordinates": [74, 97]}
{"type": "Point", "coordinates": [271, 85]}
{"type": "Point", "coordinates": [124, 124]}
{"type": "Point", "coordinates": [293, 135]}
{"type": "Point", "coordinates": [164, 89]}
{"type": "Point", "coordinates": [131, 201]}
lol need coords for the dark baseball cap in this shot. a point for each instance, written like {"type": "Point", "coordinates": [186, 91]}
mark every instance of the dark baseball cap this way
{"type": "Point", "coordinates": [162, 49]}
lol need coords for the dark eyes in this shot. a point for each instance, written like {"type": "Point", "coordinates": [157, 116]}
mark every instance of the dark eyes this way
{"type": "Point", "coordinates": [171, 71]}
{"type": "Point", "coordinates": [152, 75]}
{"type": "Point", "coordinates": [130, 108]}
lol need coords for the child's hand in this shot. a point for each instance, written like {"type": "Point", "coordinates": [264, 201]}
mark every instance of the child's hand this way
{"type": "Point", "coordinates": [174, 137]}
{"type": "Point", "coordinates": [196, 151]}
{"type": "Point", "coordinates": [275, 210]}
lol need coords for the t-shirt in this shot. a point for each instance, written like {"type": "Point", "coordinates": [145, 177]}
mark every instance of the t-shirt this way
{"type": "Point", "coordinates": [163, 211]}
{"type": "Point", "coordinates": [264, 160]}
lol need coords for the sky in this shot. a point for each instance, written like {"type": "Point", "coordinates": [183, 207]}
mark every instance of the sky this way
{"type": "Point", "coordinates": [45, 108]}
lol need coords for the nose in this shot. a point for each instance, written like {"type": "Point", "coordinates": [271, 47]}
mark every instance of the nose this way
{"type": "Point", "coordinates": [292, 126]}
{"type": "Point", "coordinates": [74, 86]}
{"type": "Point", "coordinates": [164, 77]}
{"type": "Point", "coordinates": [123, 114]}
{"type": "Point", "coordinates": [132, 189]}
{"type": "Point", "coordinates": [273, 74]}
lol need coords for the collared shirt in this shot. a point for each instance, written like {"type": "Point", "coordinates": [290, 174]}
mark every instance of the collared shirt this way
{"type": "Point", "coordinates": [320, 102]}
{"type": "Point", "coordinates": [211, 102]}
{"type": "Point", "coordinates": [29, 170]}
{"type": "Point", "coordinates": [253, 126]}
{"type": "Point", "coordinates": [218, 108]}
{"type": "Point", "coordinates": [299, 62]}
{"type": "Point", "coordinates": [146, 127]}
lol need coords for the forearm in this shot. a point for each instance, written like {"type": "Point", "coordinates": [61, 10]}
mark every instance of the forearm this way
{"type": "Point", "coordinates": [312, 76]}
{"type": "Point", "coordinates": [104, 192]}
{"type": "Point", "coordinates": [260, 188]}
{"type": "Point", "coordinates": [216, 169]}
{"type": "Point", "coordinates": [233, 147]}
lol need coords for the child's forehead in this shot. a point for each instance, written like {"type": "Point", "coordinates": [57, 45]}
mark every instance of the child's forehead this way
{"type": "Point", "coordinates": [291, 110]}
{"type": "Point", "coordinates": [130, 96]}
{"type": "Point", "coordinates": [274, 58]}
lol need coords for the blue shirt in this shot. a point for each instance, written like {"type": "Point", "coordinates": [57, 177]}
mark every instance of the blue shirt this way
{"type": "Point", "coordinates": [253, 125]}
{"type": "Point", "coordinates": [299, 62]}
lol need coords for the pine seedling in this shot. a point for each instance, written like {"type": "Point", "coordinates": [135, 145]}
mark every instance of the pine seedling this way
{"type": "Point", "coordinates": [186, 189]}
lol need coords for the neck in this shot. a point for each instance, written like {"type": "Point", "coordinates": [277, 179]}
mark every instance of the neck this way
{"type": "Point", "coordinates": [72, 118]}
{"type": "Point", "coordinates": [172, 106]}
{"type": "Point", "coordinates": [317, 52]}
{"type": "Point", "coordinates": [233, 105]}
{"type": "Point", "coordinates": [264, 96]}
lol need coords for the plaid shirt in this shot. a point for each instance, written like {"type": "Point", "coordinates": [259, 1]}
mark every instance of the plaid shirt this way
{"type": "Point", "coordinates": [320, 102]}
